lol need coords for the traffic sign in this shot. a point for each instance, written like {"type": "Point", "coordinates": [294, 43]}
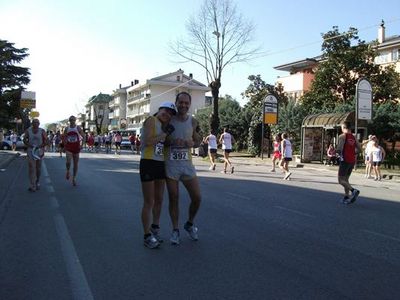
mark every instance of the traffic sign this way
{"type": "Point", "coordinates": [28, 99]}
{"type": "Point", "coordinates": [34, 114]}
{"type": "Point", "coordinates": [28, 103]}
{"type": "Point", "coordinates": [270, 110]}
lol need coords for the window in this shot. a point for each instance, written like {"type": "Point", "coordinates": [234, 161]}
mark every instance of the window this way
{"type": "Point", "coordinates": [395, 54]}
{"type": "Point", "coordinates": [383, 57]}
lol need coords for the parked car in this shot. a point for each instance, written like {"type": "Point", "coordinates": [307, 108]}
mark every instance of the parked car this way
{"type": "Point", "coordinates": [7, 144]}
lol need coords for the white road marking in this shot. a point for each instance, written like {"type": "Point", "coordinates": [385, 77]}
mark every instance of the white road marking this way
{"type": "Point", "coordinates": [294, 211]}
{"type": "Point", "coordinates": [78, 282]}
{"type": "Point", "coordinates": [382, 235]}
{"type": "Point", "coordinates": [238, 196]}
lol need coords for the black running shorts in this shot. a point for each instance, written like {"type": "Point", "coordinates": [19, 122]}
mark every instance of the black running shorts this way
{"type": "Point", "coordinates": [345, 169]}
{"type": "Point", "coordinates": [151, 170]}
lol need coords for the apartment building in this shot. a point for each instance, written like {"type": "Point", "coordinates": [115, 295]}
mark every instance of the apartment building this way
{"type": "Point", "coordinates": [144, 99]}
{"type": "Point", "coordinates": [97, 113]}
{"type": "Point", "coordinates": [301, 73]}
{"type": "Point", "coordinates": [117, 109]}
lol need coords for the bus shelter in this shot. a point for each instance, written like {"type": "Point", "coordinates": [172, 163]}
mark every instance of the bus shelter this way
{"type": "Point", "coordinates": [320, 130]}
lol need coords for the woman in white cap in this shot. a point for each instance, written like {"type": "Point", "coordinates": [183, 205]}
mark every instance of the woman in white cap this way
{"type": "Point", "coordinates": [152, 170]}
{"type": "Point", "coordinates": [35, 139]}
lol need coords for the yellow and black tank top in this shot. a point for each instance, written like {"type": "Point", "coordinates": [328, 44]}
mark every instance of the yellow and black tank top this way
{"type": "Point", "coordinates": [154, 152]}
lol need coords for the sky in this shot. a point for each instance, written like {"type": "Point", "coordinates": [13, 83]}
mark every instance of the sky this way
{"type": "Point", "coordinates": [79, 48]}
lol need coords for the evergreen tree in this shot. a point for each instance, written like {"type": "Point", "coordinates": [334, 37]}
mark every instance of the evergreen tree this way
{"type": "Point", "coordinates": [12, 80]}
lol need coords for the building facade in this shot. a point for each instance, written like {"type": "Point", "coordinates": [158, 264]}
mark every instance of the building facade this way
{"type": "Point", "coordinates": [144, 99]}
{"type": "Point", "coordinates": [97, 113]}
{"type": "Point", "coordinates": [117, 109]}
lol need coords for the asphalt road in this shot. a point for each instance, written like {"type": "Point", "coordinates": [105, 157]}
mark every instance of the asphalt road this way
{"type": "Point", "coordinates": [260, 237]}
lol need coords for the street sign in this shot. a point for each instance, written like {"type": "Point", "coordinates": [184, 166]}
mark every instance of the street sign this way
{"type": "Point", "coordinates": [28, 99]}
{"type": "Point", "coordinates": [270, 110]}
{"type": "Point", "coordinates": [28, 103]}
{"type": "Point", "coordinates": [34, 114]}
{"type": "Point", "coordinates": [364, 100]}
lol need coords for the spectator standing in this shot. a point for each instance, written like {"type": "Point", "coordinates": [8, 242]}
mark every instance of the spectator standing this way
{"type": "Point", "coordinates": [367, 151]}
{"type": "Point", "coordinates": [377, 155]}
{"type": "Point", "coordinates": [13, 139]}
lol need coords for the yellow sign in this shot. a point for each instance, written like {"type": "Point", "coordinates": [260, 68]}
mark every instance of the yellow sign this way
{"type": "Point", "coordinates": [28, 103]}
{"type": "Point", "coordinates": [270, 110]}
{"type": "Point", "coordinates": [34, 114]}
{"type": "Point", "coordinates": [270, 118]}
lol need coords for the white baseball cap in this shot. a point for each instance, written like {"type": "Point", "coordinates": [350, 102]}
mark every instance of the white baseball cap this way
{"type": "Point", "coordinates": [169, 105]}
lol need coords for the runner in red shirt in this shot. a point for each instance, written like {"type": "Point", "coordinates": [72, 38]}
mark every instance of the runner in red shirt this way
{"type": "Point", "coordinates": [348, 147]}
{"type": "Point", "coordinates": [73, 139]}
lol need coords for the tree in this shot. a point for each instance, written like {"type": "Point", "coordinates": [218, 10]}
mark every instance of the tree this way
{"type": "Point", "coordinates": [256, 92]}
{"type": "Point", "coordinates": [217, 37]}
{"type": "Point", "coordinates": [342, 64]}
{"type": "Point", "coordinates": [12, 80]}
{"type": "Point", "coordinates": [231, 116]}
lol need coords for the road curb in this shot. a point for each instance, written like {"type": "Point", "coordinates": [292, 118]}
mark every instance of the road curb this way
{"type": "Point", "coordinates": [7, 157]}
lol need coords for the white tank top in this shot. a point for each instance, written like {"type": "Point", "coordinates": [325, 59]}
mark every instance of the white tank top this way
{"type": "Point", "coordinates": [376, 154]}
{"type": "Point", "coordinates": [35, 139]}
{"type": "Point", "coordinates": [226, 141]}
{"type": "Point", "coordinates": [212, 142]}
{"type": "Point", "coordinates": [288, 148]}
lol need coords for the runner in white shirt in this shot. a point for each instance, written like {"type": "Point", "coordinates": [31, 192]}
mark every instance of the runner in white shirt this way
{"type": "Point", "coordinates": [287, 150]}
{"type": "Point", "coordinates": [227, 140]}
{"type": "Point", "coordinates": [211, 140]}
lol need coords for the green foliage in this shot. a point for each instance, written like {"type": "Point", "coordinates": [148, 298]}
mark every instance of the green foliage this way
{"type": "Point", "coordinates": [257, 90]}
{"type": "Point", "coordinates": [345, 59]}
{"type": "Point", "coordinates": [230, 114]}
{"type": "Point", "coordinates": [291, 117]}
{"type": "Point", "coordinates": [385, 121]}
{"type": "Point", "coordinates": [12, 80]}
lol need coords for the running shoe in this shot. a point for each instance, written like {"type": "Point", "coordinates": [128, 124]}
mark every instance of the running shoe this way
{"type": "Point", "coordinates": [272, 170]}
{"type": "Point", "coordinates": [211, 168]}
{"type": "Point", "coordinates": [223, 172]}
{"type": "Point", "coordinates": [346, 200]}
{"type": "Point", "coordinates": [156, 233]}
{"type": "Point", "coordinates": [354, 195]}
{"type": "Point", "coordinates": [151, 242]}
{"type": "Point", "coordinates": [174, 239]}
{"type": "Point", "coordinates": [192, 231]}
{"type": "Point", "coordinates": [287, 176]}
{"type": "Point", "coordinates": [232, 169]}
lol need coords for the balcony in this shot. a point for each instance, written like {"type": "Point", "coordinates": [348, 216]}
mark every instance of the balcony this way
{"type": "Point", "coordinates": [139, 98]}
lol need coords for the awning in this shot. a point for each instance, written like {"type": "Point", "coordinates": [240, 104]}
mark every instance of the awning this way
{"type": "Point", "coordinates": [331, 120]}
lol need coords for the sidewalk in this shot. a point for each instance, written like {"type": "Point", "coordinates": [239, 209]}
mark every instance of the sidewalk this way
{"type": "Point", "coordinates": [243, 159]}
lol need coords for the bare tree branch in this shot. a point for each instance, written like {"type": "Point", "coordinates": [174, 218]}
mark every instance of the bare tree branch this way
{"type": "Point", "coordinates": [217, 37]}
